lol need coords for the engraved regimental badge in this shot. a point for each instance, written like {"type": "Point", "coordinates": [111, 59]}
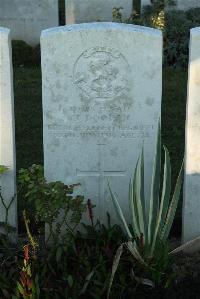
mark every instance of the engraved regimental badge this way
{"type": "Point", "coordinates": [101, 73]}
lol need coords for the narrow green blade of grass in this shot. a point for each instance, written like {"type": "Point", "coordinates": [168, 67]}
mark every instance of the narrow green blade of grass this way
{"type": "Point", "coordinates": [115, 266]}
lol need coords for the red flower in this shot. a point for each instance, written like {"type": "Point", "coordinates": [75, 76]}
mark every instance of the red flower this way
{"type": "Point", "coordinates": [26, 252]}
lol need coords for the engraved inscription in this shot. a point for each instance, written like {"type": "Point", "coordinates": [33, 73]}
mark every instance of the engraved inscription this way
{"type": "Point", "coordinates": [101, 73]}
{"type": "Point", "coordinates": [94, 131]}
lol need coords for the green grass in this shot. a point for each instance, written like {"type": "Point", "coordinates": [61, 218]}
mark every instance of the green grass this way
{"type": "Point", "coordinates": [173, 126]}
{"type": "Point", "coordinates": [173, 114]}
{"type": "Point", "coordinates": [28, 116]}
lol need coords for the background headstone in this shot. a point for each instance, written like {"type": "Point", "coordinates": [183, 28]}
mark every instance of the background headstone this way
{"type": "Point", "coordinates": [78, 11]}
{"type": "Point", "coordinates": [102, 87]}
{"type": "Point", "coordinates": [191, 209]}
{"type": "Point", "coordinates": [7, 128]}
{"type": "Point", "coordinates": [27, 18]}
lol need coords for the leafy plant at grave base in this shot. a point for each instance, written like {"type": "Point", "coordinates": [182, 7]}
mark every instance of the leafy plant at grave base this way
{"type": "Point", "coordinates": [147, 238]}
{"type": "Point", "coordinates": [80, 268]}
{"type": "Point", "coordinates": [51, 200]}
{"type": "Point", "coordinates": [27, 283]}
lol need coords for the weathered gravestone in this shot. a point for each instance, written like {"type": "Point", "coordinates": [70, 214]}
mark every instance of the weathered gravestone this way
{"type": "Point", "coordinates": [102, 87]}
{"type": "Point", "coordinates": [27, 18]}
{"type": "Point", "coordinates": [78, 11]}
{"type": "Point", "coordinates": [7, 140]}
{"type": "Point", "coordinates": [191, 209]}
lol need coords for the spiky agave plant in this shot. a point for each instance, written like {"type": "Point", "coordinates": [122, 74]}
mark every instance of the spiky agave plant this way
{"type": "Point", "coordinates": [150, 228]}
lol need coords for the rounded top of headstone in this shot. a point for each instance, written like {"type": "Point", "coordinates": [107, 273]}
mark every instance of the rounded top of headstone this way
{"type": "Point", "coordinates": [101, 26]}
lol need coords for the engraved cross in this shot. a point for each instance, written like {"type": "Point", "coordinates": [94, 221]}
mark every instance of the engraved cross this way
{"type": "Point", "coordinates": [101, 172]}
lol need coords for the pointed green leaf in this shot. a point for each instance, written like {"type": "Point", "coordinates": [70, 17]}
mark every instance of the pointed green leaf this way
{"type": "Point", "coordinates": [119, 212]}
{"type": "Point", "coordinates": [166, 191]}
{"type": "Point", "coordinates": [139, 194]}
{"type": "Point", "coordinates": [115, 266]}
{"type": "Point", "coordinates": [87, 281]}
{"type": "Point", "coordinates": [164, 204]}
{"type": "Point", "coordinates": [187, 246]}
{"type": "Point", "coordinates": [70, 280]}
{"type": "Point", "coordinates": [173, 206]}
{"type": "Point", "coordinates": [133, 208]}
{"type": "Point", "coordinates": [155, 188]}
{"type": "Point", "coordinates": [20, 288]}
{"type": "Point", "coordinates": [132, 247]}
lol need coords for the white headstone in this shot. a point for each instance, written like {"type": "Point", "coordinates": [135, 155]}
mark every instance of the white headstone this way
{"type": "Point", "coordinates": [78, 11]}
{"type": "Point", "coordinates": [27, 18]}
{"type": "Point", "coordinates": [191, 209]}
{"type": "Point", "coordinates": [7, 135]}
{"type": "Point", "coordinates": [102, 87]}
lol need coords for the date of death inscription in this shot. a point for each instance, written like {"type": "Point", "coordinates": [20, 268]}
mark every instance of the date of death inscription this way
{"type": "Point", "coordinates": [66, 131]}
